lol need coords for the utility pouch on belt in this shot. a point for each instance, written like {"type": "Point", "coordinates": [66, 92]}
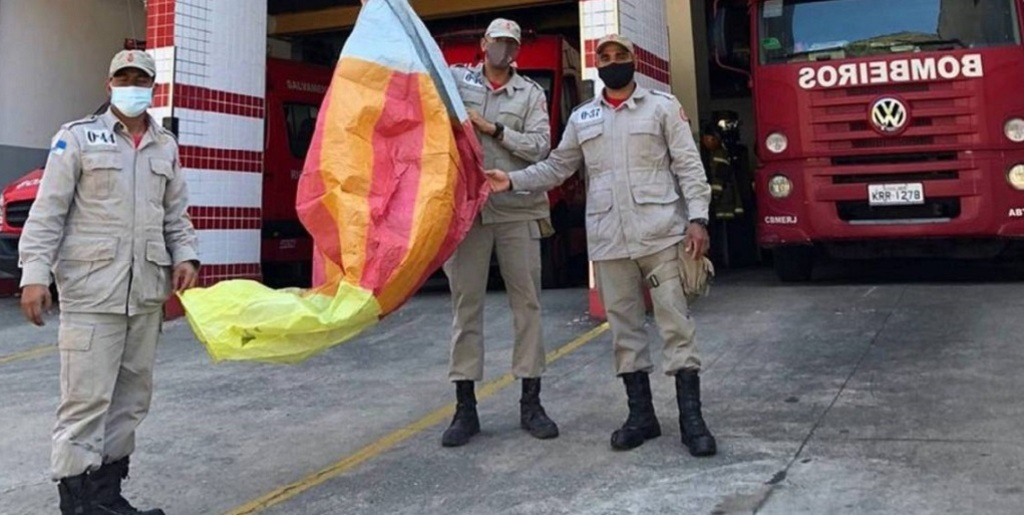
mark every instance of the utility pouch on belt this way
{"type": "Point", "coordinates": [696, 274]}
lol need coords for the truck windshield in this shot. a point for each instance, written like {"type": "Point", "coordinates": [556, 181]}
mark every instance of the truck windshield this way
{"type": "Point", "coordinates": [301, 121]}
{"type": "Point", "coordinates": [814, 30]}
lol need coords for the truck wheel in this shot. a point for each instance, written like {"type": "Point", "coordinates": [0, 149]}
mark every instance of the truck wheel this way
{"type": "Point", "coordinates": [794, 264]}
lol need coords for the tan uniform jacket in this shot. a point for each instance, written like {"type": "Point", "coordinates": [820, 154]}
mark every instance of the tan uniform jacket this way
{"type": "Point", "coordinates": [110, 220]}
{"type": "Point", "coordinates": [645, 178]}
{"type": "Point", "coordinates": [522, 108]}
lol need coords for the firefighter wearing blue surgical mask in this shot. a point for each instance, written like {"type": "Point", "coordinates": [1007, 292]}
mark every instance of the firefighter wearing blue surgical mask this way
{"type": "Point", "coordinates": [111, 223]}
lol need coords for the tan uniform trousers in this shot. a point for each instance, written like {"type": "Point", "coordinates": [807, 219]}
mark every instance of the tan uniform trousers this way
{"type": "Point", "coordinates": [518, 248]}
{"type": "Point", "coordinates": [619, 282]}
{"type": "Point", "coordinates": [106, 383]}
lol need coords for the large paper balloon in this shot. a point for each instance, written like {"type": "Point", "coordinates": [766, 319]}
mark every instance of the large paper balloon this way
{"type": "Point", "coordinates": [391, 185]}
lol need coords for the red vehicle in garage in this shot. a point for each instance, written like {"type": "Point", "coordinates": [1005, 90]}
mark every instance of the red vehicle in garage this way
{"type": "Point", "coordinates": [888, 129]}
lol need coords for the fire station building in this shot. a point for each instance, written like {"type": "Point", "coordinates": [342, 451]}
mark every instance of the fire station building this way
{"type": "Point", "coordinates": [212, 78]}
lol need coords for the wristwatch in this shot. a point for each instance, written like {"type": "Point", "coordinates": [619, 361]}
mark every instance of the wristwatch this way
{"type": "Point", "coordinates": [703, 222]}
{"type": "Point", "coordinates": [499, 130]}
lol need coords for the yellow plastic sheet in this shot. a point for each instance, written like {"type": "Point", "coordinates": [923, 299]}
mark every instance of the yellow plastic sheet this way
{"type": "Point", "coordinates": [245, 320]}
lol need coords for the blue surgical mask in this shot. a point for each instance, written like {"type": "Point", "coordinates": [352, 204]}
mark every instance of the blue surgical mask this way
{"type": "Point", "coordinates": [131, 101]}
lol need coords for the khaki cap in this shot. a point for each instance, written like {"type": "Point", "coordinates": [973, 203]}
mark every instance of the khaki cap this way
{"type": "Point", "coordinates": [133, 59]}
{"type": "Point", "coordinates": [502, 28]}
{"type": "Point", "coordinates": [615, 38]}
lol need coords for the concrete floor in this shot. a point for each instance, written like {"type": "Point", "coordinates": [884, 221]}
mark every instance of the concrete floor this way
{"type": "Point", "coordinates": [889, 388]}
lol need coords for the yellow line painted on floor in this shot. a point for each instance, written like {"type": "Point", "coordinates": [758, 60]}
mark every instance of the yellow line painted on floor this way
{"type": "Point", "coordinates": [398, 436]}
{"type": "Point", "coordinates": [28, 354]}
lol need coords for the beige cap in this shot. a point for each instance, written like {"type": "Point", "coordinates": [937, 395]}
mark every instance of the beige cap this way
{"type": "Point", "coordinates": [133, 59]}
{"type": "Point", "coordinates": [615, 38]}
{"type": "Point", "coordinates": [502, 28]}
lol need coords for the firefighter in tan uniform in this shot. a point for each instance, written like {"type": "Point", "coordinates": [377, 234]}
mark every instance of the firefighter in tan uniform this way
{"type": "Point", "coordinates": [509, 112]}
{"type": "Point", "coordinates": [110, 223]}
{"type": "Point", "coordinates": [647, 193]}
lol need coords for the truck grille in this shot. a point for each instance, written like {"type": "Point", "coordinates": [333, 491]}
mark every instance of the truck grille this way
{"type": "Point", "coordinates": [16, 213]}
{"type": "Point", "coordinates": [942, 114]}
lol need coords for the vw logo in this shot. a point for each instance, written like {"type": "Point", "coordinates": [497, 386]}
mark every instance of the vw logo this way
{"type": "Point", "coordinates": [889, 115]}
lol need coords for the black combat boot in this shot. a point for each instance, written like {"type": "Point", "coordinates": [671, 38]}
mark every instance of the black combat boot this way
{"type": "Point", "coordinates": [107, 489]}
{"type": "Point", "coordinates": [532, 417]}
{"type": "Point", "coordinates": [642, 424]}
{"type": "Point", "coordinates": [695, 434]}
{"type": "Point", "coordinates": [76, 496]}
{"type": "Point", "coordinates": [465, 424]}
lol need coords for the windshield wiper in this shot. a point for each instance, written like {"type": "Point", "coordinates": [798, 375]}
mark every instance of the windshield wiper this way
{"type": "Point", "coordinates": [895, 42]}
{"type": "Point", "coordinates": [809, 53]}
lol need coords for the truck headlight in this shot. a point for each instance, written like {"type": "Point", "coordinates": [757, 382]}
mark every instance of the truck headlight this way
{"type": "Point", "coordinates": [776, 142]}
{"type": "Point", "coordinates": [1014, 130]}
{"type": "Point", "coordinates": [1016, 177]}
{"type": "Point", "coordinates": [780, 186]}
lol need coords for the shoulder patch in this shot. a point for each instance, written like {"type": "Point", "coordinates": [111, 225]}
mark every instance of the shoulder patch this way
{"type": "Point", "coordinates": [58, 145]}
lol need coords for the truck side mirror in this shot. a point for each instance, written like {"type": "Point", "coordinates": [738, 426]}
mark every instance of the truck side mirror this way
{"type": "Point", "coordinates": [725, 58]}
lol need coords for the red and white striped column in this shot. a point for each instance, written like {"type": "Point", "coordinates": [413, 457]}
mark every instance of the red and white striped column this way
{"type": "Point", "coordinates": [643, 22]}
{"type": "Point", "coordinates": [211, 76]}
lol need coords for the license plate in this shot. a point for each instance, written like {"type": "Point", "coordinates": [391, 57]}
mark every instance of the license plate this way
{"type": "Point", "coordinates": [895, 194]}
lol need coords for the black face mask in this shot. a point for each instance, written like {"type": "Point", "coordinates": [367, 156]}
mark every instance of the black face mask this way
{"type": "Point", "coordinates": [617, 75]}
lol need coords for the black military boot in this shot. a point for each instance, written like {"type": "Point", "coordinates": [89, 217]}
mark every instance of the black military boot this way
{"type": "Point", "coordinates": [532, 417]}
{"type": "Point", "coordinates": [465, 424]}
{"type": "Point", "coordinates": [695, 434]}
{"type": "Point", "coordinates": [642, 424]}
{"type": "Point", "coordinates": [76, 496]}
{"type": "Point", "coordinates": [107, 489]}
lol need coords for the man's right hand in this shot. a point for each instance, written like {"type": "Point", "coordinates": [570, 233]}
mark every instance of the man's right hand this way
{"type": "Point", "coordinates": [36, 301]}
{"type": "Point", "coordinates": [498, 180]}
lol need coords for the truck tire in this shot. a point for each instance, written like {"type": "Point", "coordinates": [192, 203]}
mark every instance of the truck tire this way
{"type": "Point", "coordinates": [794, 264]}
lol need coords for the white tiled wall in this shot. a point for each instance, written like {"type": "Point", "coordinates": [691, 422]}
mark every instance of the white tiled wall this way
{"type": "Point", "coordinates": [219, 45]}
{"type": "Point", "coordinates": [214, 188]}
{"type": "Point", "coordinates": [229, 247]}
{"type": "Point", "coordinates": [643, 21]}
{"type": "Point", "coordinates": [598, 18]}
{"type": "Point", "coordinates": [217, 130]}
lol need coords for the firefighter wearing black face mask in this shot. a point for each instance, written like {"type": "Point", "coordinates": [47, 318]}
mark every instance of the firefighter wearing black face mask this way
{"type": "Point", "coordinates": [647, 200]}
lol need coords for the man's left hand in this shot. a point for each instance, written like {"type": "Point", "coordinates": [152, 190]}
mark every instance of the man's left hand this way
{"type": "Point", "coordinates": [481, 123]}
{"type": "Point", "coordinates": [185, 276]}
{"type": "Point", "coordinates": [697, 241]}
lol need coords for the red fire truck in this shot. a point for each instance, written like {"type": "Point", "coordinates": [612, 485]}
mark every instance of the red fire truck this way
{"type": "Point", "coordinates": [888, 129]}
{"type": "Point", "coordinates": [555, 65]}
{"type": "Point", "coordinates": [294, 93]}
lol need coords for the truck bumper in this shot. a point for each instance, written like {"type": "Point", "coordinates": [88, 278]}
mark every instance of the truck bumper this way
{"type": "Point", "coordinates": [970, 209]}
